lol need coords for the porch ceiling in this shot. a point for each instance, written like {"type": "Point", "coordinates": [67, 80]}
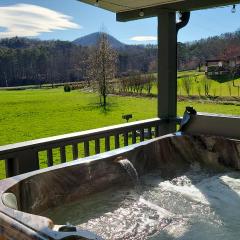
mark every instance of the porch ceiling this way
{"type": "Point", "coordinates": [129, 9]}
{"type": "Point", "coordinates": [128, 5]}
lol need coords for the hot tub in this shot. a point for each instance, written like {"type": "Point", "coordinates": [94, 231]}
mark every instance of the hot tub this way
{"type": "Point", "coordinates": [179, 186]}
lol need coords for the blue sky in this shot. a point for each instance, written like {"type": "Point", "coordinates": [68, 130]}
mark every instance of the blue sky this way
{"type": "Point", "coordinates": [70, 19]}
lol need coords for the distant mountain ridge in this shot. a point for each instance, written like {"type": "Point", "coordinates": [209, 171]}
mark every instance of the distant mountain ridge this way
{"type": "Point", "coordinates": [91, 40]}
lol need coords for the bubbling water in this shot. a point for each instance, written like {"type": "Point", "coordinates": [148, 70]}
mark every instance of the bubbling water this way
{"type": "Point", "coordinates": [196, 205]}
{"type": "Point", "coordinates": [130, 169]}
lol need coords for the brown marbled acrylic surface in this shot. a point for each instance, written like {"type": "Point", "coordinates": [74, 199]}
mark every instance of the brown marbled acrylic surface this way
{"type": "Point", "coordinates": [43, 189]}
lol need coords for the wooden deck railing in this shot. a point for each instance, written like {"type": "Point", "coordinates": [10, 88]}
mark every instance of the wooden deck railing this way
{"type": "Point", "coordinates": [24, 157]}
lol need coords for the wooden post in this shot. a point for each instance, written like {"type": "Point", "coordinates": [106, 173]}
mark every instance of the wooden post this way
{"type": "Point", "coordinates": [116, 140]}
{"type": "Point", "coordinates": [167, 70]}
{"type": "Point", "coordinates": [22, 162]}
{"type": "Point", "coordinates": [63, 154]}
{"type": "Point", "coordinates": [86, 149]}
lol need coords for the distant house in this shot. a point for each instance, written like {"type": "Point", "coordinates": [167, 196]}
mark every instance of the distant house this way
{"type": "Point", "coordinates": [215, 63]}
{"type": "Point", "coordinates": [216, 67]}
{"type": "Point", "coordinates": [221, 67]}
{"type": "Point", "coordinates": [234, 62]}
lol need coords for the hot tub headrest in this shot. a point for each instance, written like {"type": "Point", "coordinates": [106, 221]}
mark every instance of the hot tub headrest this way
{"type": "Point", "coordinates": [10, 200]}
{"type": "Point", "coordinates": [75, 233]}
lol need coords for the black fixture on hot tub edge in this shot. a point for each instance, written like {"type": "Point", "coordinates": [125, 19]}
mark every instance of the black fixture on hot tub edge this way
{"type": "Point", "coordinates": [24, 197]}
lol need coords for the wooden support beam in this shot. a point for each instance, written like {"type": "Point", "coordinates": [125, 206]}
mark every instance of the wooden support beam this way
{"type": "Point", "coordinates": [135, 14]}
{"type": "Point", "coordinates": [167, 69]}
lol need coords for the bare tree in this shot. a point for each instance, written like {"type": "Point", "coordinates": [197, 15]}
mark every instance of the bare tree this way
{"type": "Point", "coordinates": [207, 85]}
{"type": "Point", "coordinates": [187, 84]}
{"type": "Point", "coordinates": [229, 84]}
{"type": "Point", "coordinates": [199, 89]}
{"type": "Point", "coordinates": [102, 66]}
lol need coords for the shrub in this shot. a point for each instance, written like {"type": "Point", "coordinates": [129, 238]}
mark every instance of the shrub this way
{"type": "Point", "coordinates": [67, 88]}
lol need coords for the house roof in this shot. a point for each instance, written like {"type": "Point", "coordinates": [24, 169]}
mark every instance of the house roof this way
{"type": "Point", "coordinates": [215, 60]}
{"type": "Point", "coordinates": [234, 57]}
{"type": "Point", "coordinates": [129, 9]}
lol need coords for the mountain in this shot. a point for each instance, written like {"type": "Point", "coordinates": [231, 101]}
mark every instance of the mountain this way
{"type": "Point", "coordinates": [91, 39]}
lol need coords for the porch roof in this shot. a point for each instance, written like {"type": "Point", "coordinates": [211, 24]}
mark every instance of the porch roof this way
{"type": "Point", "coordinates": [129, 9]}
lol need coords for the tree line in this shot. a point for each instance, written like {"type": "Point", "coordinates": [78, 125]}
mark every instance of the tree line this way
{"type": "Point", "coordinates": [192, 55]}
{"type": "Point", "coordinates": [26, 61]}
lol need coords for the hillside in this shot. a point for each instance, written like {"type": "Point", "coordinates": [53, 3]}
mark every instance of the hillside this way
{"type": "Point", "coordinates": [224, 46]}
{"type": "Point", "coordinates": [26, 61]}
{"type": "Point", "coordinates": [91, 40]}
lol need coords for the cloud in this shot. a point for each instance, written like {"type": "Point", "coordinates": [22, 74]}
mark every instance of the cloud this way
{"type": "Point", "coordinates": [26, 20]}
{"type": "Point", "coordinates": [143, 38]}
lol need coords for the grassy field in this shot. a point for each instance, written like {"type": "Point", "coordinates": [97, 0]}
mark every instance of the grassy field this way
{"type": "Point", "coordinates": [221, 89]}
{"type": "Point", "coordinates": [216, 88]}
{"type": "Point", "coordinates": [32, 114]}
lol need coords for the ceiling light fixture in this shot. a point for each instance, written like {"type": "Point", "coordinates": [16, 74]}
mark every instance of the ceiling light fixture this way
{"type": "Point", "coordinates": [96, 4]}
{"type": "Point", "coordinates": [141, 13]}
{"type": "Point", "coordinates": [233, 8]}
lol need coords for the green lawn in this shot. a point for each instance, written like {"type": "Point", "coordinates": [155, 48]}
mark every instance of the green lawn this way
{"type": "Point", "coordinates": [220, 89]}
{"type": "Point", "coordinates": [224, 89]}
{"type": "Point", "coordinates": [32, 114]}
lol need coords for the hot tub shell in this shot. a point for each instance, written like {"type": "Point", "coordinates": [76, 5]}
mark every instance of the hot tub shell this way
{"type": "Point", "coordinates": [43, 189]}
